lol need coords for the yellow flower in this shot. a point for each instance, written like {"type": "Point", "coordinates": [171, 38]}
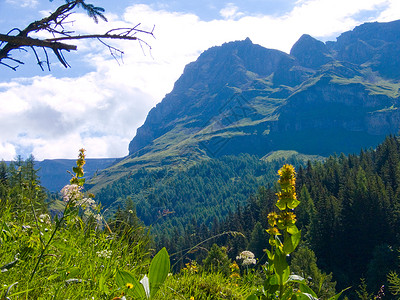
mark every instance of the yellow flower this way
{"type": "Point", "coordinates": [234, 266]}
{"type": "Point", "coordinates": [129, 285]}
{"type": "Point", "coordinates": [192, 298]}
{"type": "Point", "coordinates": [272, 219]}
{"type": "Point", "coordinates": [273, 231]}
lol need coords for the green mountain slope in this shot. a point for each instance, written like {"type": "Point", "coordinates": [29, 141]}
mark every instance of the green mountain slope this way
{"type": "Point", "coordinates": [169, 199]}
{"type": "Point", "coordinates": [237, 98]}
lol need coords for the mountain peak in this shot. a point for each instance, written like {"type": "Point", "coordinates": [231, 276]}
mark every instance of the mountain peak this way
{"type": "Point", "coordinates": [310, 52]}
{"type": "Point", "coordinates": [251, 96]}
{"type": "Point", "coordinates": [247, 40]}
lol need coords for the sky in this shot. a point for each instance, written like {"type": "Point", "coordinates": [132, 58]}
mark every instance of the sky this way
{"type": "Point", "coordinates": [99, 102]}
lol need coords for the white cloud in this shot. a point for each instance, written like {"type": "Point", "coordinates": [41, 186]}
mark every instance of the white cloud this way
{"type": "Point", "coordinates": [100, 111]}
{"type": "Point", "coordinates": [230, 11]}
{"type": "Point", "coordinates": [7, 151]}
{"type": "Point", "coordinates": [56, 117]}
{"type": "Point", "coordinates": [23, 3]}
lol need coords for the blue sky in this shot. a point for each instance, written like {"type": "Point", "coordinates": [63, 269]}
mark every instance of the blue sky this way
{"type": "Point", "coordinates": [98, 104]}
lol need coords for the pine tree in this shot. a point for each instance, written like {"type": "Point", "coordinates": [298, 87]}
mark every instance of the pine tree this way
{"type": "Point", "coordinates": [258, 242]}
{"type": "Point", "coordinates": [304, 263]}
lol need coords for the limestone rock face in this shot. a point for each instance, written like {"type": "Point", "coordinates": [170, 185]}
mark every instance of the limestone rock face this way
{"type": "Point", "coordinates": [321, 98]}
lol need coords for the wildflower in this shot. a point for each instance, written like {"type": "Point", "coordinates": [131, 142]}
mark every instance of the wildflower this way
{"type": "Point", "coordinates": [248, 258]}
{"type": "Point", "coordinates": [245, 254]}
{"type": "Point", "coordinates": [249, 261]}
{"type": "Point", "coordinates": [98, 217]}
{"type": "Point", "coordinates": [191, 267]}
{"type": "Point", "coordinates": [129, 285]}
{"type": "Point", "coordinates": [287, 198]}
{"type": "Point", "coordinates": [87, 202]}
{"type": "Point", "coordinates": [44, 218]}
{"type": "Point", "coordinates": [272, 218]}
{"type": "Point", "coordinates": [104, 254]}
{"type": "Point", "coordinates": [234, 266]}
{"type": "Point", "coordinates": [71, 193]}
{"type": "Point", "coordinates": [273, 231]}
{"type": "Point", "coordinates": [287, 175]}
{"type": "Point", "coordinates": [286, 219]}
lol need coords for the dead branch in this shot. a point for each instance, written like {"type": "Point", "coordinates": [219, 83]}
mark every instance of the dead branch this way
{"type": "Point", "coordinates": [54, 24]}
{"type": "Point", "coordinates": [23, 41]}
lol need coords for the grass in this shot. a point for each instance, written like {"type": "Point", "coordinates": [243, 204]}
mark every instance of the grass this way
{"type": "Point", "coordinates": [286, 154]}
{"type": "Point", "coordinates": [72, 257]}
{"type": "Point", "coordinates": [204, 286]}
{"type": "Point", "coordinates": [79, 263]}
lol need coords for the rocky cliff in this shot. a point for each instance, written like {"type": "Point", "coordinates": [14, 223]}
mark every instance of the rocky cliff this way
{"type": "Point", "coordinates": [320, 99]}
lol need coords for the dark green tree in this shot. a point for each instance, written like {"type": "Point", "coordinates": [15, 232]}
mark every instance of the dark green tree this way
{"type": "Point", "coordinates": [217, 260]}
{"type": "Point", "coordinates": [304, 263]}
{"type": "Point", "coordinates": [258, 242]}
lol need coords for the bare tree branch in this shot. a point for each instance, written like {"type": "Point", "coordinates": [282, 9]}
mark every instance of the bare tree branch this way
{"type": "Point", "coordinates": [23, 41]}
{"type": "Point", "coordinates": [54, 24]}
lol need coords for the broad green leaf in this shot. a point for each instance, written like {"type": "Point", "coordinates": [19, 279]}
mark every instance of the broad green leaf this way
{"type": "Point", "coordinates": [287, 294]}
{"type": "Point", "coordinates": [159, 269]}
{"type": "Point", "coordinates": [292, 229]}
{"type": "Point", "coordinates": [272, 284]}
{"type": "Point", "coordinates": [281, 266]}
{"type": "Point", "coordinates": [126, 280]}
{"type": "Point", "coordinates": [78, 171]}
{"type": "Point", "coordinates": [281, 204]}
{"type": "Point", "coordinates": [291, 242]}
{"type": "Point", "coordinates": [306, 289]}
{"type": "Point", "coordinates": [293, 204]}
{"type": "Point", "coordinates": [295, 278]}
{"type": "Point", "coordinates": [270, 255]}
{"type": "Point", "coordinates": [252, 297]}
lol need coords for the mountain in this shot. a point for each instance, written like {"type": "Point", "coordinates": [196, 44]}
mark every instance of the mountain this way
{"type": "Point", "coordinates": [53, 173]}
{"type": "Point", "coordinates": [240, 97]}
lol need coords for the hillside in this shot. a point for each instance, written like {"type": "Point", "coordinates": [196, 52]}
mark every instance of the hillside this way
{"type": "Point", "coordinates": [54, 174]}
{"type": "Point", "coordinates": [320, 99]}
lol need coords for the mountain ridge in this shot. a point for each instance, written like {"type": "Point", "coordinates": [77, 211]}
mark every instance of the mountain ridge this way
{"type": "Point", "coordinates": [320, 99]}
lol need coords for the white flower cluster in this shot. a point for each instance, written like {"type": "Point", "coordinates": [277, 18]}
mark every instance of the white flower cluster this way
{"type": "Point", "coordinates": [73, 195]}
{"type": "Point", "coordinates": [45, 218]}
{"type": "Point", "coordinates": [104, 253]}
{"type": "Point", "coordinates": [71, 192]}
{"type": "Point", "coordinates": [248, 258]}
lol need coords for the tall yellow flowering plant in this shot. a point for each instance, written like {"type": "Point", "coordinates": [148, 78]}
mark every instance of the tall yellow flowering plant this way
{"type": "Point", "coordinates": [284, 235]}
{"type": "Point", "coordinates": [284, 238]}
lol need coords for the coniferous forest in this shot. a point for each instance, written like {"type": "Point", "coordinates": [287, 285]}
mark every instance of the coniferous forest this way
{"type": "Point", "coordinates": [322, 230]}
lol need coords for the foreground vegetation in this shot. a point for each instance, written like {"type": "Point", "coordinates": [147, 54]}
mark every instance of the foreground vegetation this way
{"type": "Point", "coordinates": [346, 221]}
{"type": "Point", "coordinates": [78, 255]}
